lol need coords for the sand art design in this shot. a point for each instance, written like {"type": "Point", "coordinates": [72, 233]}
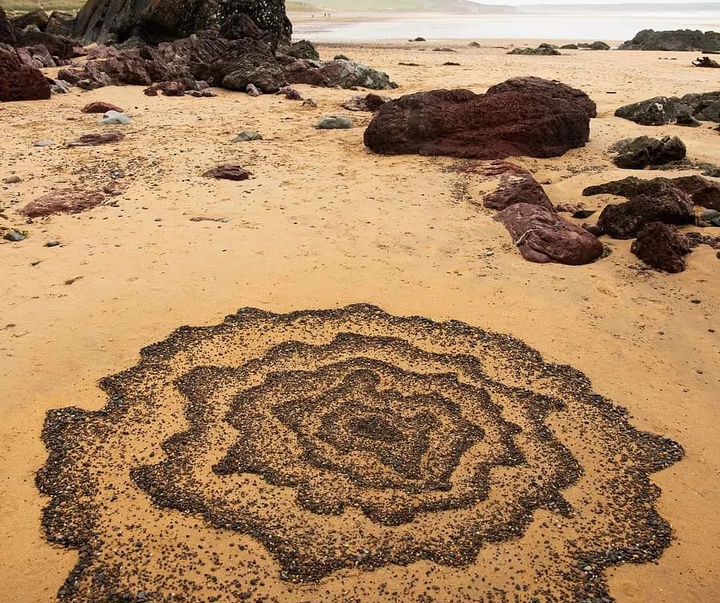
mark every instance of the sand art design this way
{"type": "Point", "coordinates": [349, 455]}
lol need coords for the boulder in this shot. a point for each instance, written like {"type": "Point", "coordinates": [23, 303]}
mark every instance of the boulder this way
{"type": "Point", "coordinates": [342, 73]}
{"type": "Point", "coordinates": [244, 62]}
{"type": "Point", "coordinates": [543, 50]}
{"type": "Point", "coordinates": [700, 191]}
{"type": "Point", "coordinates": [334, 122]}
{"type": "Point", "coordinates": [368, 102]}
{"type": "Point", "coordinates": [58, 46]}
{"type": "Point", "coordinates": [18, 82]}
{"type": "Point", "coordinates": [656, 111]}
{"type": "Point", "coordinates": [638, 153]}
{"type": "Point", "coordinates": [304, 49]}
{"type": "Point", "coordinates": [569, 47]}
{"type": "Point", "coordinates": [661, 110]}
{"type": "Point", "coordinates": [511, 120]}
{"type": "Point", "coordinates": [625, 220]}
{"type": "Point", "coordinates": [228, 171]}
{"type": "Point", "coordinates": [543, 236]}
{"type": "Point", "coordinates": [162, 20]}
{"type": "Point", "coordinates": [60, 24]}
{"type": "Point", "coordinates": [675, 40]}
{"type": "Point", "coordinates": [62, 201]}
{"type": "Point", "coordinates": [662, 247]}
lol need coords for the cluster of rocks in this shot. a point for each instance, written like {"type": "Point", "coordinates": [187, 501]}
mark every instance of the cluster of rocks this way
{"type": "Point", "coordinates": [534, 224]}
{"type": "Point", "coordinates": [687, 110]}
{"type": "Point", "coordinates": [523, 116]}
{"type": "Point", "coordinates": [586, 46]}
{"type": "Point", "coordinates": [543, 50]}
{"type": "Point", "coordinates": [175, 48]}
{"type": "Point", "coordinates": [675, 40]}
{"type": "Point", "coordinates": [652, 211]}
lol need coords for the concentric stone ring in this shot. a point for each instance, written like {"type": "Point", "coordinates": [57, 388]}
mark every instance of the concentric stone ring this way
{"type": "Point", "coordinates": [323, 453]}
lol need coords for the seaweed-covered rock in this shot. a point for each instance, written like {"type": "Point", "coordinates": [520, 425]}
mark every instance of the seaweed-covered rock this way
{"type": "Point", "coordinates": [514, 119]}
{"type": "Point", "coordinates": [304, 49]}
{"type": "Point", "coordinates": [662, 247]}
{"type": "Point", "coordinates": [542, 236]}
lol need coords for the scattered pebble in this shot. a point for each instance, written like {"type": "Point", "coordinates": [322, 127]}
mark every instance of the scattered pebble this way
{"type": "Point", "coordinates": [14, 236]}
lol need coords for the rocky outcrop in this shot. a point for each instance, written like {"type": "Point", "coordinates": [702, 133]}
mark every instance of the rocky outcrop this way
{"type": "Point", "coordinates": [662, 247]}
{"type": "Point", "coordinates": [594, 46]}
{"type": "Point", "coordinates": [661, 110]}
{"type": "Point", "coordinates": [19, 82]}
{"type": "Point", "coordinates": [36, 18]}
{"type": "Point", "coordinates": [677, 40]}
{"type": "Point", "coordinates": [638, 153]}
{"type": "Point", "coordinates": [163, 20]}
{"type": "Point", "coordinates": [700, 191]}
{"type": "Point", "coordinates": [526, 116]}
{"type": "Point", "coordinates": [342, 73]}
{"type": "Point", "coordinates": [543, 236]}
{"type": "Point", "coordinates": [232, 64]}
{"type": "Point", "coordinates": [7, 31]}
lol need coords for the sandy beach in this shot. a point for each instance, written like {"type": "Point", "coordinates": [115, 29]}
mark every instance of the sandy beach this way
{"type": "Point", "coordinates": [323, 223]}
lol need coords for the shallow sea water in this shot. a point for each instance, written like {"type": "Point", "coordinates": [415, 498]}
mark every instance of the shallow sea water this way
{"type": "Point", "coordinates": [567, 25]}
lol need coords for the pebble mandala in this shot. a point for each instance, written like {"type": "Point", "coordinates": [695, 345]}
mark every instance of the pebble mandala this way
{"type": "Point", "coordinates": [349, 455]}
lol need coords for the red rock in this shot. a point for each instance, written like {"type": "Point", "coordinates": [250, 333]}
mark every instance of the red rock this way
{"type": "Point", "coordinates": [518, 188]}
{"type": "Point", "coordinates": [459, 123]}
{"type": "Point", "coordinates": [172, 88]}
{"type": "Point", "coordinates": [662, 247]}
{"type": "Point", "coordinates": [94, 140]}
{"type": "Point", "coordinates": [228, 171]}
{"type": "Point", "coordinates": [62, 201]}
{"type": "Point", "coordinates": [542, 236]}
{"type": "Point", "coordinates": [100, 107]}
{"type": "Point", "coordinates": [18, 82]}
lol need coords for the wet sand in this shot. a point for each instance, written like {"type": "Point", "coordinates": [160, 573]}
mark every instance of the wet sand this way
{"type": "Point", "coordinates": [324, 223]}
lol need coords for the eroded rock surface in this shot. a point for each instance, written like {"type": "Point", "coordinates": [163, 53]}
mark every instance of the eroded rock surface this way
{"type": "Point", "coordinates": [19, 82]}
{"type": "Point", "coordinates": [542, 236]}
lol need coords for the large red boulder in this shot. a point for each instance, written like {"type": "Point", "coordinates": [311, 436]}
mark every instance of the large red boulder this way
{"type": "Point", "coordinates": [542, 236]}
{"type": "Point", "coordinates": [19, 82]}
{"type": "Point", "coordinates": [520, 117]}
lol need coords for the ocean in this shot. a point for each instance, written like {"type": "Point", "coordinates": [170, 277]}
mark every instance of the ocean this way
{"type": "Point", "coordinates": [556, 26]}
